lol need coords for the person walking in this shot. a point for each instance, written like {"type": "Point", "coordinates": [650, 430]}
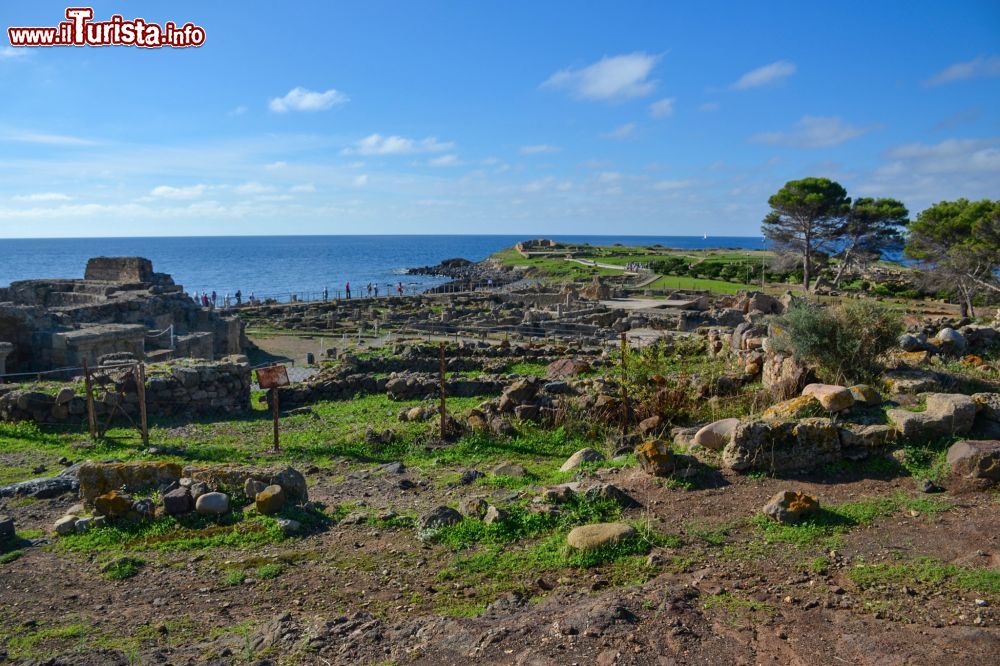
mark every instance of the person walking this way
{"type": "Point", "coordinates": [239, 298]}
{"type": "Point", "coordinates": [215, 298]}
{"type": "Point", "coordinates": [326, 293]}
{"type": "Point", "coordinates": [369, 290]}
{"type": "Point", "coordinates": [347, 290]}
{"type": "Point", "coordinates": [376, 290]}
{"type": "Point", "coordinates": [251, 297]}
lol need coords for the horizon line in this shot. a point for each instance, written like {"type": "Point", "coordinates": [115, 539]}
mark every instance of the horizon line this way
{"type": "Point", "coordinates": [525, 236]}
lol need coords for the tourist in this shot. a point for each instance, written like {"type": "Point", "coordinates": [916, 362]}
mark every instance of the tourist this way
{"type": "Point", "coordinates": [225, 301]}
{"type": "Point", "coordinates": [399, 289]}
{"type": "Point", "coordinates": [369, 290]}
{"type": "Point", "coordinates": [215, 298]}
{"type": "Point", "coordinates": [326, 293]}
{"type": "Point", "coordinates": [204, 300]}
{"type": "Point", "coordinates": [251, 298]}
{"type": "Point", "coordinates": [347, 290]}
{"type": "Point", "coordinates": [376, 290]}
{"type": "Point", "coordinates": [239, 297]}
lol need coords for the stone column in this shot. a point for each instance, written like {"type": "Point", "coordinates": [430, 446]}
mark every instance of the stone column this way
{"type": "Point", "coordinates": [5, 350]}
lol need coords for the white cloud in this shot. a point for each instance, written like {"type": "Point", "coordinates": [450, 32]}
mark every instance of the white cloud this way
{"type": "Point", "coordinates": [623, 132]}
{"type": "Point", "coordinates": [539, 149]}
{"type": "Point", "coordinates": [10, 53]}
{"type": "Point", "coordinates": [983, 66]}
{"type": "Point", "coordinates": [708, 107]}
{"type": "Point", "coordinates": [765, 75]}
{"type": "Point", "coordinates": [361, 181]}
{"type": "Point", "coordinates": [300, 99]}
{"type": "Point", "coordinates": [170, 192]}
{"type": "Point", "coordinates": [609, 177]}
{"type": "Point", "coordinates": [42, 196]}
{"type": "Point", "coordinates": [812, 132]}
{"type": "Point", "coordinates": [662, 108]}
{"type": "Point", "coordinates": [276, 166]}
{"type": "Point", "coordinates": [376, 144]}
{"type": "Point", "coordinates": [253, 187]}
{"type": "Point", "coordinates": [444, 161]}
{"type": "Point", "coordinates": [305, 187]}
{"type": "Point", "coordinates": [238, 111]}
{"type": "Point", "coordinates": [24, 136]}
{"type": "Point", "coordinates": [669, 185]}
{"type": "Point", "coordinates": [547, 184]}
{"type": "Point", "coordinates": [610, 78]}
{"type": "Point", "coordinates": [950, 155]}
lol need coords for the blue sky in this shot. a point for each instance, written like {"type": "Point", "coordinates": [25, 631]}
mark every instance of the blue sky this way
{"type": "Point", "coordinates": [656, 118]}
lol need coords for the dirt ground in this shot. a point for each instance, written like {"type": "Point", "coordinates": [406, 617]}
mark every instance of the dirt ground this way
{"type": "Point", "coordinates": [364, 594]}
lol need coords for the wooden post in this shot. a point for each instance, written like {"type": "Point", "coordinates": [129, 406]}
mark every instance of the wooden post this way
{"type": "Point", "coordinates": [274, 415]}
{"type": "Point", "coordinates": [443, 409]}
{"type": "Point", "coordinates": [140, 386]}
{"type": "Point", "coordinates": [89, 386]}
{"type": "Point", "coordinates": [624, 384]}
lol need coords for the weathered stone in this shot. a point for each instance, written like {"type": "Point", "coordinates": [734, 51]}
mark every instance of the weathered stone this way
{"type": "Point", "coordinates": [946, 414]}
{"type": "Point", "coordinates": [565, 367]}
{"type": "Point", "coordinates": [233, 478]}
{"type": "Point", "coordinates": [510, 469]}
{"type": "Point", "coordinates": [213, 504]}
{"type": "Point", "coordinates": [784, 375]}
{"type": "Point", "coordinates": [99, 478]}
{"type": "Point", "coordinates": [987, 405]}
{"type": "Point", "coordinates": [522, 391]}
{"type": "Point", "coordinates": [912, 381]}
{"type": "Point", "coordinates": [865, 395]}
{"type": "Point", "coordinates": [950, 341]}
{"type": "Point", "coordinates": [270, 500]}
{"type": "Point", "coordinates": [910, 343]}
{"type": "Point", "coordinates": [794, 408]}
{"type": "Point", "coordinates": [494, 515]}
{"type": "Point", "coordinates": [252, 487]}
{"type": "Point", "coordinates": [857, 439]}
{"type": "Point", "coordinates": [789, 506]}
{"type": "Point", "coordinates": [592, 537]}
{"type": "Point", "coordinates": [526, 412]}
{"type": "Point", "coordinates": [914, 358]}
{"type": "Point", "coordinates": [178, 502]}
{"type": "Point", "coordinates": [65, 525]}
{"type": "Point", "coordinates": [609, 491]}
{"type": "Point", "coordinates": [558, 494]}
{"type": "Point", "coordinates": [113, 504]}
{"type": "Point", "coordinates": [977, 460]}
{"type": "Point", "coordinates": [772, 446]}
{"type": "Point", "coordinates": [650, 426]}
{"type": "Point", "coordinates": [293, 483]}
{"type": "Point", "coordinates": [7, 532]}
{"type": "Point", "coordinates": [289, 527]}
{"type": "Point", "coordinates": [473, 507]}
{"type": "Point", "coordinates": [580, 457]}
{"type": "Point", "coordinates": [716, 435]}
{"type": "Point", "coordinates": [441, 516]}
{"type": "Point", "coordinates": [833, 398]}
{"type": "Point", "coordinates": [655, 457]}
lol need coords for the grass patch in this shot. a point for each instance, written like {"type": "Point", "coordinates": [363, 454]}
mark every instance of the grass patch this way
{"type": "Point", "coordinates": [233, 578]}
{"type": "Point", "coordinates": [270, 571]}
{"type": "Point", "coordinates": [927, 572]}
{"type": "Point", "coordinates": [122, 568]}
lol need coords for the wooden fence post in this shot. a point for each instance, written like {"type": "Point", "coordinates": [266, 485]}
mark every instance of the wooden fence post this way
{"type": "Point", "coordinates": [140, 384]}
{"type": "Point", "coordinates": [89, 386]}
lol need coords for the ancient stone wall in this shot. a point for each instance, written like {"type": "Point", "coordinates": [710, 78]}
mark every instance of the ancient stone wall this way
{"type": "Point", "coordinates": [119, 269]}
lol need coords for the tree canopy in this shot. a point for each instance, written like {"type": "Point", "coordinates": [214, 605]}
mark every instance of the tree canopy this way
{"type": "Point", "coordinates": [871, 227]}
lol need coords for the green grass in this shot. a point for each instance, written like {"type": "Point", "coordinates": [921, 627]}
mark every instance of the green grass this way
{"type": "Point", "coordinates": [927, 573]}
{"type": "Point", "coordinates": [45, 640]}
{"type": "Point", "coordinates": [736, 605]}
{"type": "Point", "coordinates": [527, 369]}
{"type": "Point", "coordinates": [233, 578]}
{"type": "Point", "coordinates": [270, 571]}
{"type": "Point", "coordinates": [122, 568]}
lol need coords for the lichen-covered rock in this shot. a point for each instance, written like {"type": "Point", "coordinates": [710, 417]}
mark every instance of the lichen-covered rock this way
{"type": "Point", "coordinates": [233, 478]}
{"type": "Point", "coordinates": [580, 457]}
{"type": "Point", "coordinates": [772, 446]}
{"type": "Point", "coordinates": [789, 506]}
{"type": "Point", "coordinates": [858, 439]}
{"type": "Point", "coordinates": [592, 537]}
{"type": "Point", "coordinates": [946, 414]}
{"type": "Point", "coordinates": [655, 457]}
{"type": "Point", "coordinates": [113, 504]}
{"type": "Point", "coordinates": [473, 507]}
{"type": "Point", "coordinates": [912, 381]}
{"type": "Point", "coordinates": [100, 478]}
{"type": "Point", "coordinates": [833, 398]}
{"type": "Point", "coordinates": [270, 500]}
{"type": "Point", "coordinates": [987, 405]}
{"type": "Point", "coordinates": [794, 408]}
{"type": "Point", "coordinates": [865, 394]}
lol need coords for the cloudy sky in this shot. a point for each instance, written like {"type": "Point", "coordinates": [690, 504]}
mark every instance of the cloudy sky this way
{"type": "Point", "coordinates": [506, 117]}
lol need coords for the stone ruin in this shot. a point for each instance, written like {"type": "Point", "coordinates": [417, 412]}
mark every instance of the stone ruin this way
{"type": "Point", "coordinates": [121, 305]}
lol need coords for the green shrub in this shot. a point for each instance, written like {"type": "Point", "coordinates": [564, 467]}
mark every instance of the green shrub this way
{"type": "Point", "coordinates": [846, 342]}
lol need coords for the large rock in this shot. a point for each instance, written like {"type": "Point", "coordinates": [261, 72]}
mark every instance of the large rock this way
{"type": "Point", "coordinates": [113, 504]}
{"type": "Point", "coordinates": [441, 516]}
{"type": "Point", "coordinates": [592, 537]}
{"type": "Point", "coordinates": [565, 367]}
{"type": "Point", "coordinates": [100, 478]}
{"type": "Point", "coordinates": [833, 398]}
{"type": "Point", "coordinates": [976, 460]}
{"type": "Point", "coordinates": [655, 457]}
{"type": "Point", "coordinates": [233, 478]}
{"type": "Point", "coordinates": [946, 415]}
{"type": "Point", "coordinates": [65, 525]}
{"type": "Point", "coordinates": [950, 341]}
{"type": "Point", "coordinates": [904, 380]}
{"type": "Point", "coordinates": [178, 502]}
{"type": "Point", "coordinates": [510, 469]}
{"type": "Point", "coordinates": [7, 532]}
{"type": "Point", "coordinates": [865, 395]}
{"type": "Point", "coordinates": [522, 391]}
{"type": "Point", "coordinates": [270, 500]}
{"type": "Point", "coordinates": [580, 457]}
{"type": "Point", "coordinates": [784, 375]}
{"type": "Point", "coordinates": [793, 408]}
{"type": "Point", "coordinates": [716, 435]}
{"type": "Point", "coordinates": [789, 506]}
{"type": "Point", "coordinates": [987, 405]}
{"type": "Point", "coordinates": [772, 446]}
{"type": "Point", "coordinates": [856, 441]}
{"type": "Point", "coordinates": [212, 504]}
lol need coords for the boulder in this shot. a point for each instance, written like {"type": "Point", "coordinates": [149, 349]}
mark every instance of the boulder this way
{"type": "Point", "coordinates": [911, 343]}
{"type": "Point", "coordinates": [65, 525]}
{"type": "Point", "coordinates": [783, 375]}
{"type": "Point", "coordinates": [857, 440]}
{"type": "Point", "coordinates": [522, 391]}
{"type": "Point", "coordinates": [789, 506]}
{"type": "Point", "coordinates": [113, 504]}
{"type": "Point", "coordinates": [494, 515]}
{"type": "Point", "coordinates": [865, 395]}
{"type": "Point", "coordinates": [987, 406]}
{"type": "Point", "coordinates": [650, 426]}
{"type": "Point", "coordinates": [7, 532]}
{"type": "Point", "coordinates": [178, 502]}
{"type": "Point", "coordinates": [912, 381]}
{"type": "Point", "coordinates": [473, 507]}
{"type": "Point", "coordinates": [592, 537]}
{"type": "Point", "coordinates": [833, 398]}
{"type": "Point", "coordinates": [770, 446]}
{"type": "Point", "coordinates": [715, 435]}
{"type": "Point", "coordinates": [565, 367]}
{"type": "Point", "coordinates": [270, 500]}
{"type": "Point", "coordinates": [794, 408]}
{"type": "Point", "coordinates": [609, 491]}
{"type": "Point", "coordinates": [510, 469]}
{"type": "Point", "coordinates": [100, 478]}
{"type": "Point", "coordinates": [253, 486]}
{"type": "Point", "coordinates": [440, 516]}
{"type": "Point", "coordinates": [976, 460]}
{"type": "Point", "coordinates": [950, 341]}
{"type": "Point", "coordinates": [293, 483]}
{"type": "Point", "coordinates": [580, 457]}
{"type": "Point", "coordinates": [655, 457]}
{"type": "Point", "coordinates": [212, 504]}
{"type": "Point", "coordinates": [946, 414]}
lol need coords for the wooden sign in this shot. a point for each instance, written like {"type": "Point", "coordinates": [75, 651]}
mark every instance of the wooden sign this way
{"type": "Point", "coordinates": [272, 377]}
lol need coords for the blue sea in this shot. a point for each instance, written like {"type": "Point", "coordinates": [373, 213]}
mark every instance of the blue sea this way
{"type": "Point", "coordinates": [278, 266]}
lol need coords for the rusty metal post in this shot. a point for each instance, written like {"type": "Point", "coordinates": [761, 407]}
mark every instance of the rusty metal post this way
{"type": "Point", "coordinates": [443, 409]}
{"type": "Point", "coordinates": [274, 415]}
{"type": "Point", "coordinates": [140, 386]}
{"type": "Point", "coordinates": [89, 386]}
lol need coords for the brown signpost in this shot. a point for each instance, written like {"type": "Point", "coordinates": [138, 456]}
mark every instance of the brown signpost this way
{"type": "Point", "coordinates": [271, 378]}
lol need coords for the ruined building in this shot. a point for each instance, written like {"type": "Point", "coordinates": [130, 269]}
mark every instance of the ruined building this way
{"type": "Point", "coordinates": [120, 305]}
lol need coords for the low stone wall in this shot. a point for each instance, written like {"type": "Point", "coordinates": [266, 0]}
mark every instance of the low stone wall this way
{"type": "Point", "coordinates": [218, 387]}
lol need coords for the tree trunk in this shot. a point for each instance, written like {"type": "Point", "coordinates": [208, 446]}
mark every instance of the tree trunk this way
{"type": "Point", "coordinates": [806, 265]}
{"type": "Point", "coordinates": [843, 265]}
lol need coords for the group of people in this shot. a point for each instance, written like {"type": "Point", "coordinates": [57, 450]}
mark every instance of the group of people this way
{"type": "Point", "coordinates": [635, 266]}
{"type": "Point", "coordinates": [212, 301]}
{"type": "Point", "coordinates": [372, 290]}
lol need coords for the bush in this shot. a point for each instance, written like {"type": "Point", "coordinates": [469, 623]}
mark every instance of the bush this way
{"type": "Point", "coordinates": [846, 342]}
